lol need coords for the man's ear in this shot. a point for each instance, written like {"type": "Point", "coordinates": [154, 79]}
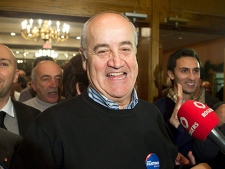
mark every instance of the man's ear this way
{"type": "Point", "coordinates": [16, 76]}
{"type": "Point", "coordinates": [33, 86]}
{"type": "Point", "coordinates": [84, 59]}
{"type": "Point", "coordinates": [170, 74]}
{"type": "Point", "coordinates": [80, 87]}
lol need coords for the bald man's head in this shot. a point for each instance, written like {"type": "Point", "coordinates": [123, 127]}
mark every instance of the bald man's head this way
{"type": "Point", "coordinates": [8, 72]}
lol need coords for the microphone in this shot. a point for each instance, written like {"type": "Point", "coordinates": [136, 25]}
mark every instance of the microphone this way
{"type": "Point", "coordinates": [200, 121]}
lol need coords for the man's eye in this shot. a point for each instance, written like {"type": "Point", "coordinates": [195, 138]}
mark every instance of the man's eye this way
{"type": "Point", "coordinates": [126, 50]}
{"type": "Point", "coordinates": [59, 79]}
{"type": "Point", "coordinates": [4, 64]}
{"type": "Point", "coordinates": [103, 52]}
{"type": "Point", "coordinates": [45, 79]}
{"type": "Point", "coordinates": [184, 71]}
{"type": "Point", "coordinates": [197, 70]}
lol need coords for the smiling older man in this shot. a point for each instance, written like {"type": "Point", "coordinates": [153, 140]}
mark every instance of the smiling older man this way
{"type": "Point", "coordinates": [46, 80]}
{"type": "Point", "coordinates": [107, 126]}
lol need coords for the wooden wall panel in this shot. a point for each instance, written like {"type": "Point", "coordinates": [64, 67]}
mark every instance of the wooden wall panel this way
{"type": "Point", "coordinates": [84, 8]}
{"type": "Point", "coordinates": [205, 16]}
{"type": "Point", "coordinates": [208, 7]}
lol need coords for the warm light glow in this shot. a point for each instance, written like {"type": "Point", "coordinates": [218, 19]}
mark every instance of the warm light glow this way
{"type": "Point", "coordinates": [19, 61]}
{"type": "Point", "coordinates": [44, 30]}
{"type": "Point", "coordinates": [13, 34]}
{"type": "Point", "coordinates": [46, 52]}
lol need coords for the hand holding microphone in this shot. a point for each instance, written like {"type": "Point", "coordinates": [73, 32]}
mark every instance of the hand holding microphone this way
{"type": "Point", "coordinates": [200, 121]}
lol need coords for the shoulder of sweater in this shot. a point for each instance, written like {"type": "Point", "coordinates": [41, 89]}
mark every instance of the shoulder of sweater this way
{"type": "Point", "coordinates": [145, 104]}
{"type": "Point", "coordinates": [160, 101]}
{"type": "Point", "coordinates": [23, 107]}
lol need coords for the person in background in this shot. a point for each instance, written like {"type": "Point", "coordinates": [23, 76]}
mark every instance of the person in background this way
{"type": "Point", "coordinates": [22, 72]}
{"type": "Point", "coordinates": [28, 92]}
{"type": "Point", "coordinates": [183, 67]}
{"type": "Point", "coordinates": [46, 80]}
{"type": "Point", "coordinates": [75, 79]}
{"type": "Point", "coordinates": [167, 87]}
{"type": "Point", "coordinates": [219, 94]}
{"type": "Point", "coordinates": [18, 87]}
{"type": "Point", "coordinates": [208, 87]}
{"type": "Point", "coordinates": [107, 126]}
{"type": "Point", "coordinates": [201, 93]}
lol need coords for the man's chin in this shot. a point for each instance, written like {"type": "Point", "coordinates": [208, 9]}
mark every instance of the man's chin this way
{"type": "Point", "coordinates": [53, 100]}
{"type": "Point", "coordinates": [188, 92]}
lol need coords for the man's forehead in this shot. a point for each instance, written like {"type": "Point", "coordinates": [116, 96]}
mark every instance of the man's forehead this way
{"type": "Point", "coordinates": [188, 61]}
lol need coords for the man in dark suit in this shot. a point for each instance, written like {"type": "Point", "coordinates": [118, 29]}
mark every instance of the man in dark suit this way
{"type": "Point", "coordinates": [9, 143]}
{"type": "Point", "coordinates": [17, 116]}
{"type": "Point", "coordinates": [25, 114]}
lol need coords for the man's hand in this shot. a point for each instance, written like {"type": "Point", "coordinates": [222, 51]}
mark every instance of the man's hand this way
{"type": "Point", "coordinates": [173, 119]}
{"type": "Point", "coordinates": [181, 160]}
{"type": "Point", "coordinates": [201, 166]}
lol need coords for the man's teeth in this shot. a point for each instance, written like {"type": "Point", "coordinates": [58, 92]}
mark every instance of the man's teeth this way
{"type": "Point", "coordinates": [191, 84]}
{"type": "Point", "coordinates": [115, 74]}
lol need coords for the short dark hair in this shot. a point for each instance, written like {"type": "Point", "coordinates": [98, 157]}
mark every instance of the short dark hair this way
{"type": "Point", "coordinates": [22, 79]}
{"type": "Point", "coordinates": [73, 72]}
{"type": "Point", "coordinates": [184, 52]}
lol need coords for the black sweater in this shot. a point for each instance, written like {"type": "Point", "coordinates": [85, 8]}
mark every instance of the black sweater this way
{"type": "Point", "coordinates": [82, 134]}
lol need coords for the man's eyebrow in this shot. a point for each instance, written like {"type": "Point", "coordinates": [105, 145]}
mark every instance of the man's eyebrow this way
{"type": "Point", "coordinates": [100, 45]}
{"type": "Point", "coordinates": [4, 59]}
{"type": "Point", "coordinates": [59, 75]}
{"type": "Point", "coordinates": [184, 68]}
{"type": "Point", "coordinates": [107, 45]}
{"type": "Point", "coordinates": [126, 43]}
{"type": "Point", "coordinates": [44, 76]}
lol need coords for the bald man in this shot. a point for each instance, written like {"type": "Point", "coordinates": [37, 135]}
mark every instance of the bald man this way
{"type": "Point", "coordinates": [18, 116]}
{"type": "Point", "coordinates": [46, 80]}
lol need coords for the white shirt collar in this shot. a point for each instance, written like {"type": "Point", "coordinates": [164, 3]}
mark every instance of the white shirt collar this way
{"type": "Point", "coordinates": [8, 108]}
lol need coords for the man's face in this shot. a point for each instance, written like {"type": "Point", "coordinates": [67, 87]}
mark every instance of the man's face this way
{"type": "Point", "coordinates": [111, 58]}
{"type": "Point", "coordinates": [48, 81]}
{"type": "Point", "coordinates": [186, 73]}
{"type": "Point", "coordinates": [8, 72]}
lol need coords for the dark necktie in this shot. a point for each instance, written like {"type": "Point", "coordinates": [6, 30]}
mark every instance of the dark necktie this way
{"type": "Point", "coordinates": [2, 116]}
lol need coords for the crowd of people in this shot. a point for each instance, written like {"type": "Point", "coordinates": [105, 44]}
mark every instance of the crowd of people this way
{"type": "Point", "coordinates": [87, 114]}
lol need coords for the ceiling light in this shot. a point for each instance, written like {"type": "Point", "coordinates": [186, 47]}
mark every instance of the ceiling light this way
{"type": "Point", "coordinates": [176, 20]}
{"type": "Point", "coordinates": [13, 34]}
{"type": "Point", "coordinates": [46, 52]}
{"type": "Point", "coordinates": [19, 61]}
{"type": "Point", "coordinates": [44, 30]}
